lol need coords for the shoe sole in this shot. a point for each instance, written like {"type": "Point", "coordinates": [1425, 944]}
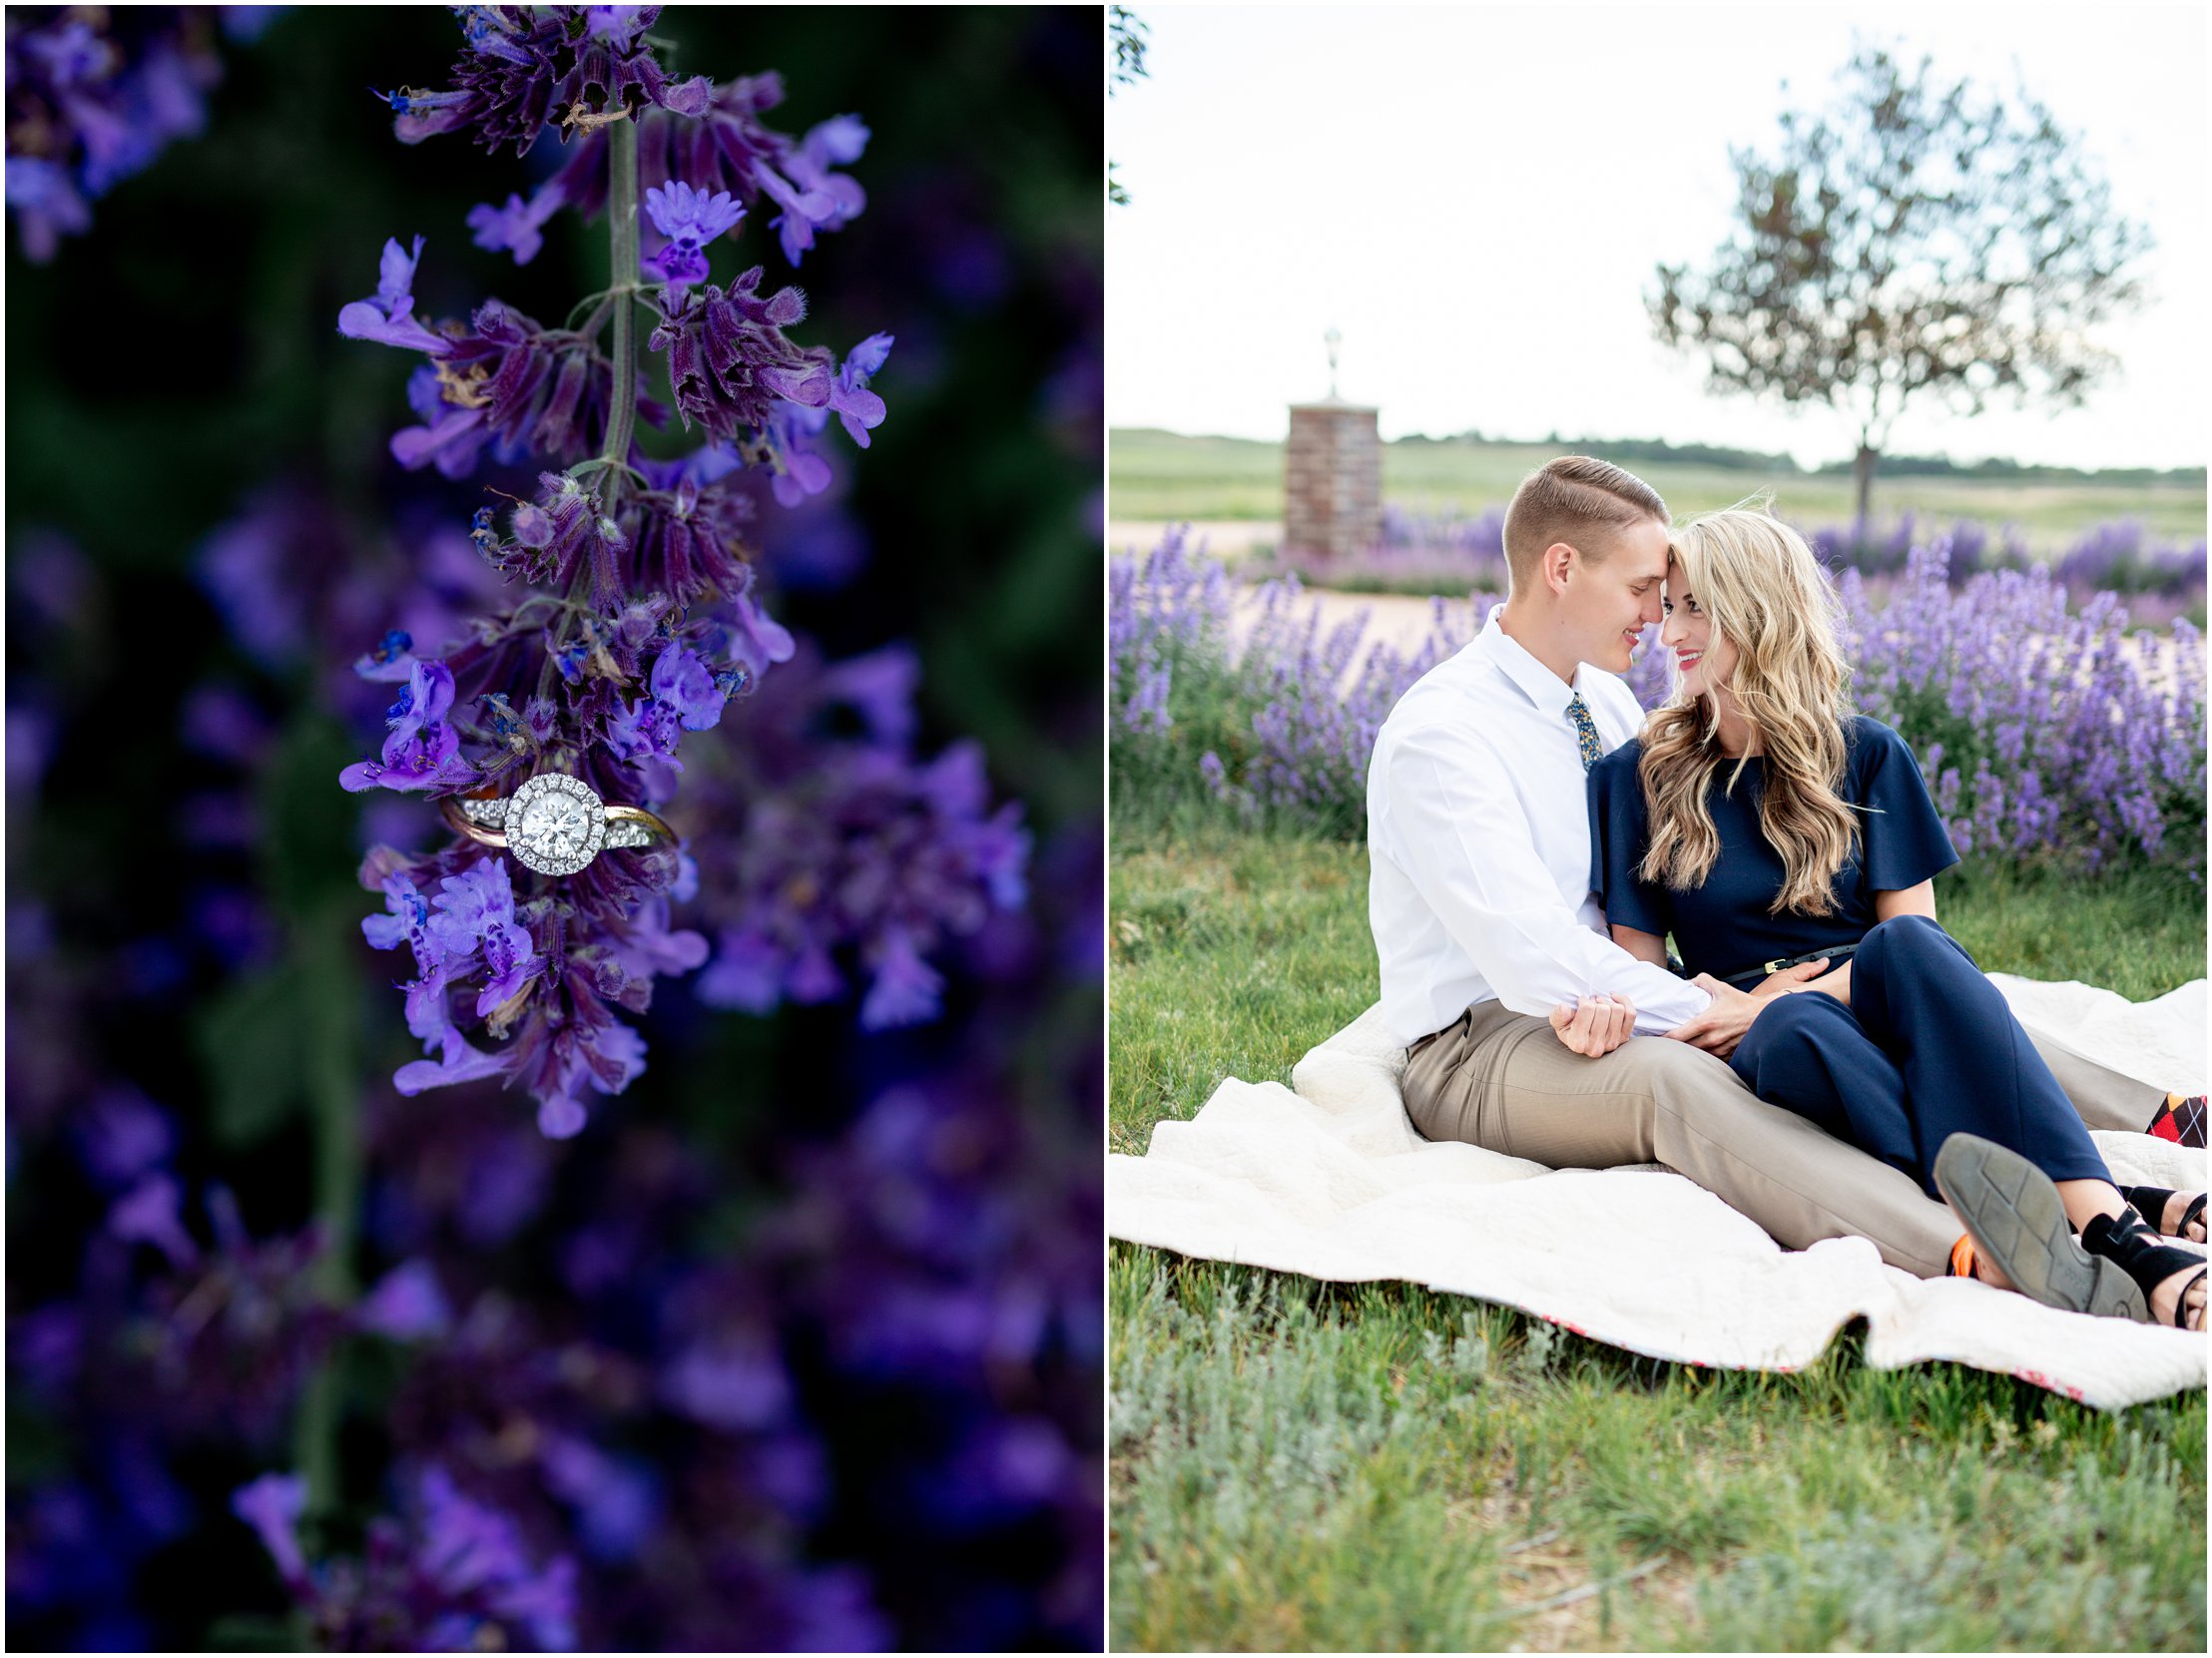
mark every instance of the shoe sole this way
{"type": "Point", "coordinates": [2016, 1219]}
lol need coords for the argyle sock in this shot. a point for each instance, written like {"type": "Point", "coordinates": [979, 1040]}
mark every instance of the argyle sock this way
{"type": "Point", "coordinates": [2180, 1119]}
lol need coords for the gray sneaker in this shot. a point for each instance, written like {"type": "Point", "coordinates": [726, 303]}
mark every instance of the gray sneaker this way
{"type": "Point", "coordinates": [2018, 1220]}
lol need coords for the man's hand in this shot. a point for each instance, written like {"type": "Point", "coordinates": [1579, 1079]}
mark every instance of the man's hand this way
{"type": "Point", "coordinates": [1720, 1027]}
{"type": "Point", "coordinates": [1788, 979]}
{"type": "Point", "coordinates": [1595, 1025]}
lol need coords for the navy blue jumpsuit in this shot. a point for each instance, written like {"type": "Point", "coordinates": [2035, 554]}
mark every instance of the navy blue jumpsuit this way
{"type": "Point", "coordinates": [1927, 1047]}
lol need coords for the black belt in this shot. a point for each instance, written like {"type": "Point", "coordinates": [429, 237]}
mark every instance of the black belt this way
{"type": "Point", "coordinates": [1751, 979]}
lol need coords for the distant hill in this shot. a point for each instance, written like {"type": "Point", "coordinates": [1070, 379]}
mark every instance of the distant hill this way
{"type": "Point", "coordinates": [1753, 460]}
{"type": "Point", "coordinates": [1162, 477]}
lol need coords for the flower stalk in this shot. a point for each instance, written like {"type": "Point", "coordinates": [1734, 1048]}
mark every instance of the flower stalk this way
{"type": "Point", "coordinates": [333, 1104]}
{"type": "Point", "coordinates": [623, 286]}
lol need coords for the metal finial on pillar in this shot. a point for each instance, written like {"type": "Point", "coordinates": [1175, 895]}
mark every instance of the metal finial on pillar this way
{"type": "Point", "coordinates": [1333, 340]}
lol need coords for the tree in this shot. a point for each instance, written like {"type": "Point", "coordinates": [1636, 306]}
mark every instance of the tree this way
{"type": "Point", "coordinates": [1915, 242]}
{"type": "Point", "coordinates": [1127, 36]}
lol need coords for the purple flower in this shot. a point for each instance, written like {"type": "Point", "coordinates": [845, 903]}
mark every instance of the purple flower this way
{"type": "Point", "coordinates": [617, 1501]}
{"type": "Point", "coordinates": [690, 219]}
{"type": "Point", "coordinates": [148, 1214]}
{"type": "Point", "coordinates": [454, 1574]}
{"type": "Point", "coordinates": [46, 205]}
{"type": "Point", "coordinates": [857, 408]}
{"type": "Point", "coordinates": [620, 25]}
{"type": "Point", "coordinates": [727, 358]}
{"type": "Point", "coordinates": [854, 846]}
{"type": "Point", "coordinates": [390, 659]}
{"type": "Point", "coordinates": [86, 111]}
{"type": "Point", "coordinates": [605, 1059]}
{"type": "Point", "coordinates": [682, 683]}
{"type": "Point", "coordinates": [800, 472]}
{"type": "Point", "coordinates": [758, 641]}
{"type": "Point", "coordinates": [273, 1505]}
{"type": "Point", "coordinates": [526, 67]}
{"type": "Point", "coordinates": [683, 214]}
{"type": "Point", "coordinates": [122, 1135]}
{"type": "Point", "coordinates": [422, 750]}
{"type": "Point", "coordinates": [468, 927]}
{"type": "Point", "coordinates": [472, 1551]}
{"type": "Point", "coordinates": [747, 973]}
{"type": "Point", "coordinates": [644, 726]}
{"type": "Point", "coordinates": [677, 265]}
{"type": "Point", "coordinates": [904, 988]}
{"type": "Point", "coordinates": [408, 1305]}
{"type": "Point", "coordinates": [389, 319]}
{"type": "Point", "coordinates": [457, 1063]}
{"type": "Point", "coordinates": [518, 226]}
{"type": "Point", "coordinates": [475, 922]}
{"type": "Point", "coordinates": [822, 199]}
{"type": "Point", "coordinates": [729, 1386]}
{"type": "Point", "coordinates": [406, 918]}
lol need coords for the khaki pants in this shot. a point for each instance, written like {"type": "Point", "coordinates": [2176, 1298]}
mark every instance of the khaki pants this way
{"type": "Point", "coordinates": [1503, 1082]}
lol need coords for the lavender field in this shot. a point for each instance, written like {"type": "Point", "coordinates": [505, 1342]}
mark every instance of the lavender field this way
{"type": "Point", "coordinates": [2158, 577]}
{"type": "Point", "coordinates": [2053, 728]}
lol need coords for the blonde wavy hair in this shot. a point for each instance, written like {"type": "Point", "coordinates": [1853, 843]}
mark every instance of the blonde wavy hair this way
{"type": "Point", "coordinates": [1765, 594]}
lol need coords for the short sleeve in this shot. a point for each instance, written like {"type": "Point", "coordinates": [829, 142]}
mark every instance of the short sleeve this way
{"type": "Point", "coordinates": [1619, 835]}
{"type": "Point", "coordinates": [1902, 839]}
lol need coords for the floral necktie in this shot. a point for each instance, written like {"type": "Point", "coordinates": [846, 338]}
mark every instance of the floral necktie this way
{"type": "Point", "coordinates": [1585, 731]}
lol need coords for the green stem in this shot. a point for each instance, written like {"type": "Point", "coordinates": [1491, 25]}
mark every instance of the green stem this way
{"type": "Point", "coordinates": [333, 1099]}
{"type": "Point", "coordinates": [622, 396]}
{"type": "Point", "coordinates": [622, 217]}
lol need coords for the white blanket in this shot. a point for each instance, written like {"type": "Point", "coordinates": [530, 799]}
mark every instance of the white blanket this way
{"type": "Point", "coordinates": [1330, 1181]}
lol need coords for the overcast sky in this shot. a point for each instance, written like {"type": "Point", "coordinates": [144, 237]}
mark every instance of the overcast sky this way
{"type": "Point", "coordinates": [1475, 196]}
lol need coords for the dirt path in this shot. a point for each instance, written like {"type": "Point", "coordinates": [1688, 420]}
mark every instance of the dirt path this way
{"type": "Point", "coordinates": [1229, 538]}
{"type": "Point", "coordinates": [1393, 619]}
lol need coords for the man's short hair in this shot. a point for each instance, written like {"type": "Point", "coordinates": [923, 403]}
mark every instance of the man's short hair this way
{"type": "Point", "coordinates": [1581, 501]}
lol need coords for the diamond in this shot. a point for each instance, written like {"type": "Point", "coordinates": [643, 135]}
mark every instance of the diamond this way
{"type": "Point", "coordinates": [555, 824]}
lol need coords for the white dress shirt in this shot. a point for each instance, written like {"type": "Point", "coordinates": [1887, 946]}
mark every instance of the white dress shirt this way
{"type": "Point", "coordinates": [1478, 846]}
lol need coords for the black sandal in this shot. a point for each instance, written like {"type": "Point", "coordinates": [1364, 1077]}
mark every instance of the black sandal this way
{"type": "Point", "coordinates": [2150, 1203]}
{"type": "Point", "coordinates": [2130, 1245]}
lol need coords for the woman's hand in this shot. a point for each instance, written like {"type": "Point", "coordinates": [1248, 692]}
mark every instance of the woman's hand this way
{"type": "Point", "coordinates": [1595, 1025]}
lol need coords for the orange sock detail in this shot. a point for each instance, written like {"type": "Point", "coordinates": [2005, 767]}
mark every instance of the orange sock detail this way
{"type": "Point", "coordinates": [1961, 1256]}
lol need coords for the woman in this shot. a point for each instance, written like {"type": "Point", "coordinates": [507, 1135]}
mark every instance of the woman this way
{"type": "Point", "coordinates": [1762, 823]}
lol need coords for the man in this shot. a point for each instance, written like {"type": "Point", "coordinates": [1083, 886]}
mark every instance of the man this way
{"type": "Point", "coordinates": [1528, 1031]}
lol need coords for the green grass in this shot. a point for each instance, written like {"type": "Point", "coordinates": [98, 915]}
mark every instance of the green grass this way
{"type": "Point", "coordinates": [1297, 1465]}
{"type": "Point", "coordinates": [1157, 477]}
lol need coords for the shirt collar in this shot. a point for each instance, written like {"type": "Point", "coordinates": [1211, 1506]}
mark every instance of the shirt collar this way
{"type": "Point", "coordinates": [1537, 683]}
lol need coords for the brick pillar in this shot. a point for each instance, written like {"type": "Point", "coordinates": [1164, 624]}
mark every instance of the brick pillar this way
{"type": "Point", "coordinates": [1332, 484]}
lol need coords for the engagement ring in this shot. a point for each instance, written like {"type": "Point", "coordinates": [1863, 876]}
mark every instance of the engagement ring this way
{"type": "Point", "coordinates": [554, 823]}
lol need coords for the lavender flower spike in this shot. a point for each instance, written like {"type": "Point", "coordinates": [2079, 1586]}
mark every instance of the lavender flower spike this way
{"type": "Point", "coordinates": [646, 620]}
{"type": "Point", "coordinates": [389, 318]}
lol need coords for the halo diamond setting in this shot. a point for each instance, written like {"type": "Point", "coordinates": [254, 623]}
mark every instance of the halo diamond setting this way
{"type": "Point", "coordinates": [555, 824]}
